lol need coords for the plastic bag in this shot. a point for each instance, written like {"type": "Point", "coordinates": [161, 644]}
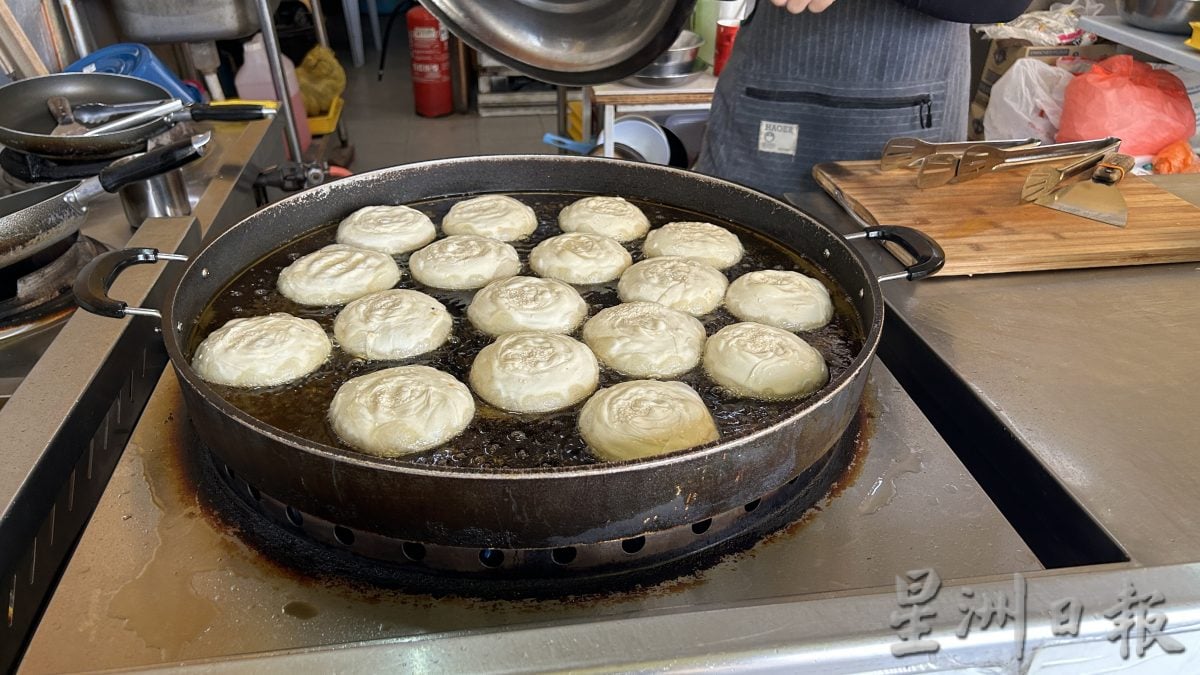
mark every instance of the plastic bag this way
{"type": "Point", "coordinates": [1177, 157]}
{"type": "Point", "coordinates": [1147, 109]}
{"type": "Point", "coordinates": [1058, 25]}
{"type": "Point", "coordinates": [1026, 102]}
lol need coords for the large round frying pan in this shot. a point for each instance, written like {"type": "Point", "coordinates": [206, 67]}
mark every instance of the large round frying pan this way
{"type": "Point", "coordinates": [26, 123]}
{"type": "Point", "coordinates": [532, 508]}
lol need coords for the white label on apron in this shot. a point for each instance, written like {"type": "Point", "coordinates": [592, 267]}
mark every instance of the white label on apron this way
{"type": "Point", "coordinates": [777, 137]}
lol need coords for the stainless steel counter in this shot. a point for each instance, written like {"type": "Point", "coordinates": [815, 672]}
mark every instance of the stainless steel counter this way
{"type": "Point", "coordinates": [80, 394]}
{"type": "Point", "coordinates": [1094, 373]}
{"type": "Point", "coordinates": [185, 588]}
{"type": "Point", "coordinates": [1081, 375]}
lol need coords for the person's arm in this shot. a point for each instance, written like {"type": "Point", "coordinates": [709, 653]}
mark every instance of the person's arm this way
{"type": "Point", "coordinates": [967, 11]}
{"type": "Point", "coordinates": [797, 6]}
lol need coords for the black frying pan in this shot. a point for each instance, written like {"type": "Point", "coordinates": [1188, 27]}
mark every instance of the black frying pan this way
{"type": "Point", "coordinates": [526, 508]}
{"type": "Point", "coordinates": [26, 123]}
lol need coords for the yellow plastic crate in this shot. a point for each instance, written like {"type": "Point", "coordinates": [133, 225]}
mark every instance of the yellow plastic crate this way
{"type": "Point", "coordinates": [327, 123]}
{"type": "Point", "coordinates": [575, 120]}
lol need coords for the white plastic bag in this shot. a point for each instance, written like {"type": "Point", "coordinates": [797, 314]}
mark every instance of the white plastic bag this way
{"type": "Point", "coordinates": [1026, 102]}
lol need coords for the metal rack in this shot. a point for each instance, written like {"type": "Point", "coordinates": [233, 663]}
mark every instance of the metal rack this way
{"type": "Point", "coordinates": [1169, 48]}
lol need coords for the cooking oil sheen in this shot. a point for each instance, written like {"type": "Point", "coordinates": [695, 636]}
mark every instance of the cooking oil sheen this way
{"type": "Point", "coordinates": [497, 439]}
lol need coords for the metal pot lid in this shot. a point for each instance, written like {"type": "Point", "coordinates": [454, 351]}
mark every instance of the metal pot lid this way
{"type": "Point", "coordinates": [569, 42]}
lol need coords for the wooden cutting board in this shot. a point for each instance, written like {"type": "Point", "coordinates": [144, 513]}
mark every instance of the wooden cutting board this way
{"type": "Point", "coordinates": [985, 229]}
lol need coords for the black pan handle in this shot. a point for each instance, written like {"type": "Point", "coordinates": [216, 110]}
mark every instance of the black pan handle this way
{"type": "Point", "coordinates": [94, 280]}
{"type": "Point", "coordinates": [154, 162]}
{"type": "Point", "coordinates": [928, 253]}
{"type": "Point", "coordinates": [238, 112]}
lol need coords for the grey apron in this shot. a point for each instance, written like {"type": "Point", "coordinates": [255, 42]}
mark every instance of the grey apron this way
{"type": "Point", "coordinates": [809, 88]}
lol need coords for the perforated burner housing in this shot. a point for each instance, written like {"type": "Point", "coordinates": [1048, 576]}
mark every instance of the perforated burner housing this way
{"type": "Point", "coordinates": [307, 542]}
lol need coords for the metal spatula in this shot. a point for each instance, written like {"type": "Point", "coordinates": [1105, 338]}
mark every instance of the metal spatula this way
{"type": "Point", "coordinates": [937, 169]}
{"type": "Point", "coordinates": [1098, 198]}
{"type": "Point", "coordinates": [1045, 179]}
{"type": "Point", "coordinates": [903, 152]}
{"type": "Point", "coordinates": [60, 108]}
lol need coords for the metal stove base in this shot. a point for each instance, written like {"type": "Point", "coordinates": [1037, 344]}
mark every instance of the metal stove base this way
{"type": "Point", "coordinates": [156, 579]}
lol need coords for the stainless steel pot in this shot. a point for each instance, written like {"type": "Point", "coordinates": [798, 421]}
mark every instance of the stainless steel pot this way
{"type": "Point", "coordinates": [161, 196]}
{"type": "Point", "coordinates": [513, 509]}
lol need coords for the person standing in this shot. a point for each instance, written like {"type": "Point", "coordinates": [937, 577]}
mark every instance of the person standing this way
{"type": "Point", "coordinates": [811, 81]}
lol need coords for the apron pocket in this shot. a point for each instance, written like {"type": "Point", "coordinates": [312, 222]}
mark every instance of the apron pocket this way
{"type": "Point", "coordinates": [922, 103]}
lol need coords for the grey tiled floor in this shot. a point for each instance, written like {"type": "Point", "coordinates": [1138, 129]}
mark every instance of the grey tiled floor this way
{"type": "Point", "coordinates": [385, 130]}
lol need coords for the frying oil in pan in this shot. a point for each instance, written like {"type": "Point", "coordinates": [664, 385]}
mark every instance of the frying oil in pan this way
{"type": "Point", "coordinates": [496, 439]}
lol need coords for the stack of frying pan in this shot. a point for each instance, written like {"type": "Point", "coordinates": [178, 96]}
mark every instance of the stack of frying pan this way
{"type": "Point", "coordinates": [90, 118]}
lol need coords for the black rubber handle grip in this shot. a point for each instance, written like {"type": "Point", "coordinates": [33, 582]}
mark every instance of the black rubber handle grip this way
{"type": "Point", "coordinates": [153, 163]}
{"type": "Point", "coordinates": [239, 112]}
{"type": "Point", "coordinates": [928, 253]}
{"type": "Point", "coordinates": [94, 280]}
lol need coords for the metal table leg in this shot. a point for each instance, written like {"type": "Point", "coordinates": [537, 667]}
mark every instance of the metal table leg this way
{"type": "Point", "coordinates": [610, 114]}
{"type": "Point", "coordinates": [354, 28]}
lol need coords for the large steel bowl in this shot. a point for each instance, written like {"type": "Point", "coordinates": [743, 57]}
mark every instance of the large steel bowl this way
{"type": "Point", "coordinates": [1163, 16]}
{"type": "Point", "coordinates": [570, 42]}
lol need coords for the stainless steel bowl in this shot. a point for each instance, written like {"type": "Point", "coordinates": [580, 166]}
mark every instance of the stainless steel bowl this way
{"type": "Point", "coordinates": [1163, 16]}
{"type": "Point", "coordinates": [571, 42]}
{"type": "Point", "coordinates": [679, 58]}
{"type": "Point", "coordinates": [674, 67]}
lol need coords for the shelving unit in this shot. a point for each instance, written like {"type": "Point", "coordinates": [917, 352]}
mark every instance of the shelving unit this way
{"type": "Point", "coordinates": [1169, 48]}
{"type": "Point", "coordinates": [617, 97]}
{"type": "Point", "coordinates": [504, 92]}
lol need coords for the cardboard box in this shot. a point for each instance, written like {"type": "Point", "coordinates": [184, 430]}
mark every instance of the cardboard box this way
{"type": "Point", "coordinates": [1002, 54]}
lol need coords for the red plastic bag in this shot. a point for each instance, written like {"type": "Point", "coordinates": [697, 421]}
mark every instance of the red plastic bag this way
{"type": "Point", "coordinates": [1147, 109]}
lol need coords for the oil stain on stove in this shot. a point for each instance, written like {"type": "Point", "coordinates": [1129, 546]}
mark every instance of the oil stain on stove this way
{"type": "Point", "coordinates": [191, 582]}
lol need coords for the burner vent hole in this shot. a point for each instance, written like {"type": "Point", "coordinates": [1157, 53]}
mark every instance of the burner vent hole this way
{"type": "Point", "coordinates": [563, 556]}
{"type": "Point", "coordinates": [752, 505]}
{"type": "Point", "coordinates": [702, 526]}
{"type": "Point", "coordinates": [413, 551]}
{"type": "Point", "coordinates": [230, 472]}
{"type": "Point", "coordinates": [294, 516]}
{"type": "Point", "coordinates": [633, 544]}
{"type": "Point", "coordinates": [254, 493]}
{"type": "Point", "coordinates": [491, 557]}
{"type": "Point", "coordinates": [344, 535]}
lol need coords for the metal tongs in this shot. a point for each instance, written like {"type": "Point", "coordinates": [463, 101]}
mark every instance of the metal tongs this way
{"type": "Point", "coordinates": [983, 159]}
{"type": "Point", "coordinates": [98, 113]}
{"type": "Point", "coordinates": [1044, 180]}
{"type": "Point", "coordinates": [906, 152]}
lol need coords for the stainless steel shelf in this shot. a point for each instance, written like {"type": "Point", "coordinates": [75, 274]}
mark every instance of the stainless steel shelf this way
{"type": "Point", "coordinates": [1165, 46]}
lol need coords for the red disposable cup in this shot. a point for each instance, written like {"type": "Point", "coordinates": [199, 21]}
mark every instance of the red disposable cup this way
{"type": "Point", "coordinates": [726, 32]}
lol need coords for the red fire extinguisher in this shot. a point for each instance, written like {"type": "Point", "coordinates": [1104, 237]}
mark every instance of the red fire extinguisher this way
{"type": "Point", "coordinates": [429, 43]}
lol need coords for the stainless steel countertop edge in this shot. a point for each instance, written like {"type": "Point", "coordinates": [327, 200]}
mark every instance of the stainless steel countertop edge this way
{"type": "Point", "coordinates": [833, 634]}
